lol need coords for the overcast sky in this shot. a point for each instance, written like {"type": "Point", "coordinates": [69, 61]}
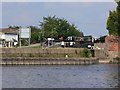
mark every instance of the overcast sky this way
{"type": "Point", "coordinates": [90, 18]}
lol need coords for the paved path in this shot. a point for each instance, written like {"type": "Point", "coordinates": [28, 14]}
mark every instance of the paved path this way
{"type": "Point", "coordinates": [33, 45]}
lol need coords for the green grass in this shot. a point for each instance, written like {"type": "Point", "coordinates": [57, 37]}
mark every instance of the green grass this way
{"type": "Point", "coordinates": [33, 47]}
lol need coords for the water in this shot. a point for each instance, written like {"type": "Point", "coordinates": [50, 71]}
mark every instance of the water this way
{"type": "Point", "coordinates": [60, 76]}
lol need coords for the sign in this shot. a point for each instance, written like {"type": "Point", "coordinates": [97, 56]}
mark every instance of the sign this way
{"type": "Point", "coordinates": [50, 38]}
{"type": "Point", "coordinates": [25, 32]}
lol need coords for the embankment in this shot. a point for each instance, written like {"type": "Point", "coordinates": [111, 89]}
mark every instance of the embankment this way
{"type": "Point", "coordinates": [36, 52]}
{"type": "Point", "coordinates": [47, 61]}
{"type": "Point", "coordinates": [51, 56]}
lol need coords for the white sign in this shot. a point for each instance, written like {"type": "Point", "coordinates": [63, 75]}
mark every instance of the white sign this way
{"type": "Point", "coordinates": [25, 33]}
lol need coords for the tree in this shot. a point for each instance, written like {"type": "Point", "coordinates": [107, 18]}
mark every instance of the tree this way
{"type": "Point", "coordinates": [13, 27]}
{"type": "Point", "coordinates": [56, 27]}
{"type": "Point", "coordinates": [118, 15]}
{"type": "Point", "coordinates": [35, 34]}
{"type": "Point", "coordinates": [102, 38]}
{"type": "Point", "coordinates": [113, 22]}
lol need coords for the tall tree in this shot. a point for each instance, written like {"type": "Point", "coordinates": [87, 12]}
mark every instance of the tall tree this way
{"type": "Point", "coordinates": [118, 15]}
{"type": "Point", "coordinates": [113, 22]}
{"type": "Point", "coordinates": [56, 27]}
{"type": "Point", "coordinates": [35, 34]}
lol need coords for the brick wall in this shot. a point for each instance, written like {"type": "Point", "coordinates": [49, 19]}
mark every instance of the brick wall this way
{"type": "Point", "coordinates": [113, 43]}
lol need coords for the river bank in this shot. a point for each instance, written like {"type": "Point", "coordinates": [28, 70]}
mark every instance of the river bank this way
{"type": "Point", "coordinates": [51, 56]}
{"type": "Point", "coordinates": [54, 61]}
{"type": "Point", "coordinates": [47, 61]}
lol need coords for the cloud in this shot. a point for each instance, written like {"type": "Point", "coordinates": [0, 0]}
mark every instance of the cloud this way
{"type": "Point", "coordinates": [58, 1]}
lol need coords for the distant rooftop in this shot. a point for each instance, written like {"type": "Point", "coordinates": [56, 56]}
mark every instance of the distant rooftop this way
{"type": "Point", "coordinates": [8, 30]}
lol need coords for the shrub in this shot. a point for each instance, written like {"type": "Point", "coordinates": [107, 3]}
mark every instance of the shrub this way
{"type": "Point", "coordinates": [75, 51]}
{"type": "Point", "coordinates": [117, 58]}
{"type": "Point", "coordinates": [85, 53]}
{"type": "Point", "coordinates": [31, 55]}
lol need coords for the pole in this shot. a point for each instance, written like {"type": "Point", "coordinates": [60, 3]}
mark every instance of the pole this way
{"type": "Point", "coordinates": [29, 35]}
{"type": "Point", "coordinates": [40, 38]}
{"type": "Point", "coordinates": [43, 33]}
{"type": "Point", "coordinates": [52, 34]}
{"type": "Point", "coordinates": [20, 37]}
{"type": "Point", "coordinates": [20, 42]}
{"type": "Point", "coordinates": [29, 41]}
{"type": "Point", "coordinates": [43, 27]}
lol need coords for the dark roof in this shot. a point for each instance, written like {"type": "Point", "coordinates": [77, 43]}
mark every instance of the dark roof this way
{"type": "Point", "coordinates": [8, 30]}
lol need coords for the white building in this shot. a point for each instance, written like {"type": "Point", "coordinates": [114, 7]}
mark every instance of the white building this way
{"type": "Point", "coordinates": [9, 36]}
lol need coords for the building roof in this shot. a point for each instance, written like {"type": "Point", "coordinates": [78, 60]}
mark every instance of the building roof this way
{"type": "Point", "coordinates": [8, 30]}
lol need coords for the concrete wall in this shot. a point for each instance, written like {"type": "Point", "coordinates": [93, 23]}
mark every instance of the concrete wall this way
{"type": "Point", "coordinates": [101, 54]}
{"type": "Point", "coordinates": [101, 45]}
{"type": "Point", "coordinates": [48, 61]}
{"type": "Point", "coordinates": [113, 54]}
{"type": "Point", "coordinates": [104, 52]}
{"type": "Point", "coordinates": [36, 51]}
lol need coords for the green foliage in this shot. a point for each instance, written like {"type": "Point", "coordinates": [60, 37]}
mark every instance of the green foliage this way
{"type": "Point", "coordinates": [14, 27]}
{"type": "Point", "coordinates": [87, 38]}
{"type": "Point", "coordinates": [56, 27]}
{"type": "Point", "coordinates": [36, 34]}
{"type": "Point", "coordinates": [31, 55]}
{"type": "Point", "coordinates": [102, 38]}
{"type": "Point", "coordinates": [36, 47]}
{"type": "Point", "coordinates": [24, 42]}
{"type": "Point", "coordinates": [113, 22]}
{"type": "Point", "coordinates": [75, 51]}
{"type": "Point", "coordinates": [85, 52]}
{"type": "Point", "coordinates": [53, 27]}
{"type": "Point", "coordinates": [117, 58]}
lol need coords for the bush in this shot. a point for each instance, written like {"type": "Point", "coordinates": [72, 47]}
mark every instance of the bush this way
{"type": "Point", "coordinates": [75, 51]}
{"type": "Point", "coordinates": [117, 58]}
{"type": "Point", "coordinates": [85, 53]}
{"type": "Point", "coordinates": [31, 55]}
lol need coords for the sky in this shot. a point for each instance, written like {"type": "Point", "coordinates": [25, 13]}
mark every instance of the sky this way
{"type": "Point", "coordinates": [58, 0]}
{"type": "Point", "coordinates": [89, 17]}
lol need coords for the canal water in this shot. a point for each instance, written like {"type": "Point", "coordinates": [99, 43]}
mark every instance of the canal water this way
{"type": "Point", "coordinates": [60, 76]}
